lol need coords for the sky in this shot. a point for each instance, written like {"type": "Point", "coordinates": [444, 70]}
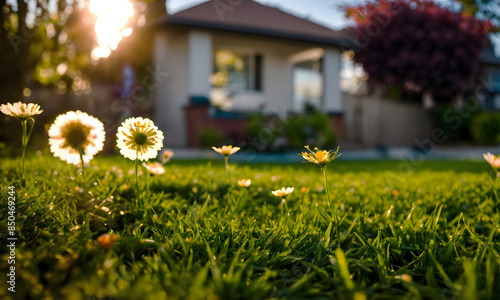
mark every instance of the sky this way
{"type": "Point", "coordinates": [324, 12]}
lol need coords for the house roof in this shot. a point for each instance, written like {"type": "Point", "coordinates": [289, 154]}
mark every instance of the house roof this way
{"type": "Point", "coordinates": [252, 17]}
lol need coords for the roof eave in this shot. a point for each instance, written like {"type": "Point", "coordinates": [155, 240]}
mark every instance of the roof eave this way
{"type": "Point", "coordinates": [172, 19]}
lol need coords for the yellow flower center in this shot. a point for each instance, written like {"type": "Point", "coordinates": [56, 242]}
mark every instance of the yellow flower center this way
{"type": "Point", "coordinates": [75, 135]}
{"type": "Point", "coordinates": [321, 155]}
{"type": "Point", "coordinates": [140, 138]}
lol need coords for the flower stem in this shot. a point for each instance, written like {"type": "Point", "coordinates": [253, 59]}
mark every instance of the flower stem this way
{"type": "Point", "coordinates": [226, 160]}
{"type": "Point", "coordinates": [83, 174]}
{"type": "Point", "coordinates": [24, 143]}
{"type": "Point", "coordinates": [286, 209]}
{"type": "Point", "coordinates": [282, 206]}
{"type": "Point", "coordinates": [25, 138]}
{"type": "Point", "coordinates": [495, 185]}
{"type": "Point", "coordinates": [327, 190]}
{"type": "Point", "coordinates": [137, 176]}
{"type": "Point", "coordinates": [148, 191]}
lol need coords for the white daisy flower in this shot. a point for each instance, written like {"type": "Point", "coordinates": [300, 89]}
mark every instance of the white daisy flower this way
{"type": "Point", "coordinates": [166, 156]}
{"type": "Point", "coordinates": [139, 138]}
{"type": "Point", "coordinates": [283, 192]}
{"type": "Point", "coordinates": [493, 160]}
{"type": "Point", "coordinates": [155, 168]}
{"type": "Point", "coordinates": [226, 150]}
{"type": "Point", "coordinates": [21, 111]}
{"type": "Point", "coordinates": [244, 182]}
{"type": "Point", "coordinates": [73, 132]}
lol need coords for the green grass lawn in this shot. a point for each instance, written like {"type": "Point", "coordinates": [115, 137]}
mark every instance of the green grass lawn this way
{"type": "Point", "coordinates": [193, 237]}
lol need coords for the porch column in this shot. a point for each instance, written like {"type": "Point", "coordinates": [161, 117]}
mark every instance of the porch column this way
{"type": "Point", "coordinates": [332, 96]}
{"type": "Point", "coordinates": [200, 63]}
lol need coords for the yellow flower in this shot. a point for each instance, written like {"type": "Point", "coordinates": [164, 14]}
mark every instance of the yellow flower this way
{"type": "Point", "coordinates": [493, 160]}
{"type": "Point", "coordinates": [73, 132]}
{"type": "Point", "coordinates": [226, 150]}
{"type": "Point", "coordinates": [139, 138]}
{"type": "Point", "coordinates": [405, 277]}
{"type": "Point", "coordinates": [106, 241]}
{"type": "Point", "coordinates": [155, 168]}
{"type": "Point", "coordinates": [166, 156]}
{"type": "Point", "coordinates": [320, 157]}
{"type": "Point", "coordinates": [303, 190]}
{"type": "Point", "coordinates": [21, 111]}
{"type": "Point", "coordinates": [283, 192]}
{"type": "Point", "coordinates": [244, 182]}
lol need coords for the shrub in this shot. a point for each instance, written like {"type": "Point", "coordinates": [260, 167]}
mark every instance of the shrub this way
{"type": "Point", "coordinates": [310, 129]}
{"type": "Point", "coordinates": [445, 117]}
{"type": "Point", "coordinates": [259, 128]}
{"type": "Point", "coordinates": [209, 137]}
{"type": "Point", "coordinates": [485, 128]}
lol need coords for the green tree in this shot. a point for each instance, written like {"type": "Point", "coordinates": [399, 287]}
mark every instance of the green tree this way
{"type": "Point", "coordinates": [36, 38]}
{"type": "Point", "coordinates": [49, 42]}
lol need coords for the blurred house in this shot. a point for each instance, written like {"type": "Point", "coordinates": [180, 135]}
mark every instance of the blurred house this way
{"type": "Point", "coordinates": [228, 58]}
{"type": "Point", "coordinates": [488, 80]}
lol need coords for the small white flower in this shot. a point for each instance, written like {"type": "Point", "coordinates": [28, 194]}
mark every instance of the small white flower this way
{"type": "Point", "coordinates": [244, 182]}
{"type": "Point", "coordinates": [493, 160]}
{"type": "Point", "coordinates": [226, 150]}
{"type": "Point", "coordinates": [73, 132]}
{"type": "Point", "coordinates": [283, 192]}
{"type": "Point", "coordinates": [166, 156]}
{"type": "Point", "coordinates": [21, 111]}
{"type": "Point", "coordinates": [139, 138]}
{"type": "Point", "coordinates": [155, 168]}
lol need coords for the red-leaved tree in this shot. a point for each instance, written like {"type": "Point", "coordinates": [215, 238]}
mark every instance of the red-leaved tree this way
{"type": "Point", "coordinates": [418, 45]}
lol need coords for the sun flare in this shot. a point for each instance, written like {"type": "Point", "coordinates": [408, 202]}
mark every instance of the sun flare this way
{"type": "Point", "coordinates": [111, 24]}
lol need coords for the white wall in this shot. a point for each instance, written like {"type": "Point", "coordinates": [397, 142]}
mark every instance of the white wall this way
{"type": "Point", "coordinates": [384, 122]}
{"type": "Point", "coordinates": [171, 95]}
{"type": "Point", "coordinates": [200, 62]}
{"type": "Point", "coordinates": [332, 96]}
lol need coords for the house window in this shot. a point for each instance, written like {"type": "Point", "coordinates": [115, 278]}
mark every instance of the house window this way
{"type": "Point", "coordinates": [307, 85]}
{"type": "Point", "coordinates": [353, 79]}
{"type": "Point", "coordinates": [236, 72]}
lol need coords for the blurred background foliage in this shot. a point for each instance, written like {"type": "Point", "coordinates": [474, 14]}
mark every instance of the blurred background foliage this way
{"type": "Point", "coordinates": [421, 46]}
{"type": "Point", "coordinates": [49, 42]}
{"type": "Point", "coordinates": [485, 128]}
{"type": "Point", "coordinates": [462, 126]}
{"type": "Point", "coordinates": [47, 45]}
{"type": "Point", "coordinates": [272, 133]}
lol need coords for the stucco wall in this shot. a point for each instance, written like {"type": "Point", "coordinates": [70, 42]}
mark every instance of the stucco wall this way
{"type": "Point", "coordinates": [374, 121]}
{"type": "Point", "coordinates": [171, 95]}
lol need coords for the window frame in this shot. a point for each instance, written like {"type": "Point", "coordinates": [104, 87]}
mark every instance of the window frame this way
{"type": "Point", "coordinates": [255, 64]}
